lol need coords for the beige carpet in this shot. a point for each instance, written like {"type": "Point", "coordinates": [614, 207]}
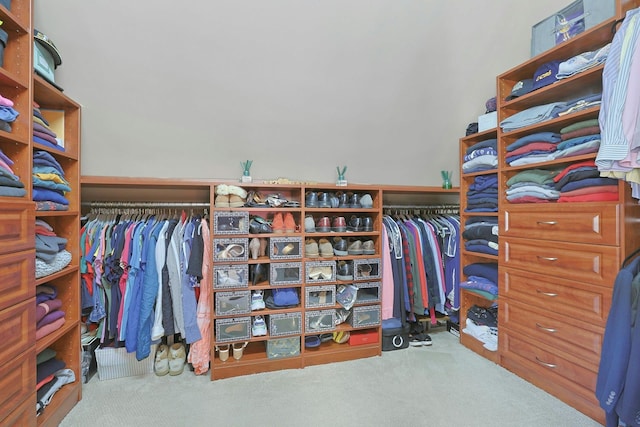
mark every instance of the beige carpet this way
{"type": "Point", "coordinates": [442, 385]}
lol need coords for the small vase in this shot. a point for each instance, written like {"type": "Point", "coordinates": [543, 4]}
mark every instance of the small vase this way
{"type": "Point", "coordinates": [446, 184]}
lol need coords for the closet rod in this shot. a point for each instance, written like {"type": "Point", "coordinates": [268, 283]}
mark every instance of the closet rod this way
{"type": "Point", "coordinates": [147, 204]}
{"type": "Point", "coordinates": [436, 206]}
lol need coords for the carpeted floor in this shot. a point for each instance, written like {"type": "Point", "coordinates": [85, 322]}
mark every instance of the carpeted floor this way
{"type": "Point", "coordinates": [442, 385]}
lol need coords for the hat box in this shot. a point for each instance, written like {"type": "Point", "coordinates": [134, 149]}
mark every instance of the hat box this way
{"type": "Point", "coordinates": [43, 62]}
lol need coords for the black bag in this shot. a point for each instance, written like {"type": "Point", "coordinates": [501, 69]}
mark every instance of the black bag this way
{"type": "Point", "coordinates": [395, 338]}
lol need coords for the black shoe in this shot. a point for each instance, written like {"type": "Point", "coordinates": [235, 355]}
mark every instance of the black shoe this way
{"type": "Point", "coordinates": [343, 200]}
{"type": "Point", "coordinates": [324, 200]}
{"type": "Point", "coordinates": [311, 200]}
{"type": "Point", "coordinates": [259, 225]}
{"type": "Point", "coordinates": [259, 273]}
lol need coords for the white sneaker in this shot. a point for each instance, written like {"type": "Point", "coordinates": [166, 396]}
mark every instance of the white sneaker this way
{"type": "Point", "coordinates": [259, 327]}
{"type": "Point", "coordinates": [257, 302]}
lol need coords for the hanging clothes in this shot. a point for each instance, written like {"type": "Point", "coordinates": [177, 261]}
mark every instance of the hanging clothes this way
{"type": "Point", "coordinates": [424, 257]}
{"type": "Point", "coordinates": [139, 278]}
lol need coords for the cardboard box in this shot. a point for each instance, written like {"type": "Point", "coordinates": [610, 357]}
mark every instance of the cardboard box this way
{"type": "Point", "coordinates": [568, 22]}
{"type": "Point", "coordinates": [487, 121]}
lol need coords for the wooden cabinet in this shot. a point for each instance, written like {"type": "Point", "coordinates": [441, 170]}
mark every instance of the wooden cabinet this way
{"type": "Point", "coordinates": [19, 83]}
{"type": "Point", "coordinates": [286, 263]}
{"type": "Point", "coordinates": [558, 261]}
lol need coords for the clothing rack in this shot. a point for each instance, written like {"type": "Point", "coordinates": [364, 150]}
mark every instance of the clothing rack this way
{"type": "Point", "coordinates": [439, 207]}
{"type": "Point", "coordinates": [145, 205]}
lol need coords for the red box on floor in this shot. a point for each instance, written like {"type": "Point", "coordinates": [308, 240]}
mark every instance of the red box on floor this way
{"type": "Point", "coordinates": [363, 337]}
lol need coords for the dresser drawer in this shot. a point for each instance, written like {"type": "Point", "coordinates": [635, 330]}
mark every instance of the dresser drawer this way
{"type": "Point", "coordinates": [563, 333]}
{"type": "Point", "coordinates": [17, 226]}
{"type": "Point", "coordinates": [548, 362]}
{"type": "Point", "coordinates": [572, 384]}
{"type": "Point", "coordinates": [596, 225]}
{"type": "Point", "coordinates": [17, 384]}
{"type": "Point", "coordinates": [586, 263]}
{"type": "Point", "coordinates": [17, 329]}
{"type": "Point", "coordinates": [555, 295]}
{"type": "Point", "coordinates": [16, 277]}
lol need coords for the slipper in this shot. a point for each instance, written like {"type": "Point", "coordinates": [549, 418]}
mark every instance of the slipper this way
{"type": "Point", "coordinates": [312, 341]}
{"type": "Point", "coordinates": [326, 337]}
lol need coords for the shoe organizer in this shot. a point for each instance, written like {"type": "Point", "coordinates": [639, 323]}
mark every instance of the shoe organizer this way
{"type": "Point", "coordinates": [233, 329]}
{"type": "Point", "coordinates": [285, 273]}
{"type": "Point", "coordinates": [231, 223]}
{"type": "Point", "coordinates": [368, 292]}
{"type": "Point", "coordinates": [320, 271]}
{"type": "Point", "coordinates": [283, 347]}
{"type": "Point", "coordinates": [364, 269]}
{"type": "Point", "coordinates": [365, 316]}
{"type": "Point", "coordinates": [285, 248]}
{"type": "Point", "coordinates": [285, 324]}
{"type": "Point", "coordinates": [320, 296]}
{"type": "Point", "coordinates": [230, 303]}
{"type": "Point", "coordinates": [231, 249]}
{"type": "Point", "coordinates": [320, 320]}
{"type": "Point", "coordinates": [230, 276]}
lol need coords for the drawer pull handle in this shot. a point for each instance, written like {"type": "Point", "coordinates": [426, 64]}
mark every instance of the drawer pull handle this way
{"type": "Point", "coordinates": [547, 258]}
{"type": "Point", "coordinates": [548, 365]}
{"type": "Point", "coordinates": [549, 294]}
{"type": "Point", "coordinates": [547, 222]}
{"type": "Point", "coordinates": [539, 326]}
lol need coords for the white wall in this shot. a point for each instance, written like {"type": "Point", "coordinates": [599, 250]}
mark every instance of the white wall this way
{"type": "Point", "coordinates": [189, 89]}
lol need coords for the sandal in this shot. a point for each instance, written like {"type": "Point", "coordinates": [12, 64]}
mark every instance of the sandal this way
{"type": "Point", "coordinates": [223, 352]}
{"type": "Point", "coordinates": [312, 341]}
{"type": "Point", "coordinates": [238, 349]}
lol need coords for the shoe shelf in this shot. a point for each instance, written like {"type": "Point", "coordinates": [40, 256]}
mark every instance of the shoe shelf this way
{"type": "Point", "coordinates": [293, 221]}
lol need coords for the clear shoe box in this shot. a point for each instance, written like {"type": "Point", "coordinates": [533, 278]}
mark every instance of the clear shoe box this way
{"type": "Point", "coordinates": [365, 316]}
{"type": "Point", "coordinates": [285, 273]}
{"type": "Point", "coordinates": [233, 329]}
{"type": "Point", "coordinates": [285, 324]}
{"type": "Point", "coordinates": [283, 347]}
{"type": "Point", "coordinates": [285, 248]}
{"type": "Point", "coordinates": [368, 292]}
{"type": "Point", "coordinates": [366, 269]}
{"type": "Point", "coordinates": [233, 303]}
{"type": "Point", "coordinates": [320, 271]}
{"type": "Point", "coordinates": [231, 222]}
{"type": "Point", "coordinates": [320, 320]}
{"type": "Point", "coordinates": [231, 249]}
{"type": "Point", "coordinates": [230, 276]}
{"type": "Point", "coordinates": [320, 296]}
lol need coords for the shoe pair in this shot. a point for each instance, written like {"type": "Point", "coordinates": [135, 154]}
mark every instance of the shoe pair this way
{"type": "Point", "coordinates": [419, 340]}
{"type": "Point", "coordinates": [170, 360]}
{"type": "Point", "coordinates": [237, 348]}
{"type": "Point", "coordinates": [230, 196]}
{"type": "Point", "coordinates": [357, 247]}
{"type": "Point", "coordinates": [259, 327]}
{"type": "Point", "coordinates": [257, 247]}
{"type": "Point", "coordinates": [259, 273]}
{"type": "Point", "coordinates": [283, 224]}
{"type": "Point", "coordinates": [357, 223]}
